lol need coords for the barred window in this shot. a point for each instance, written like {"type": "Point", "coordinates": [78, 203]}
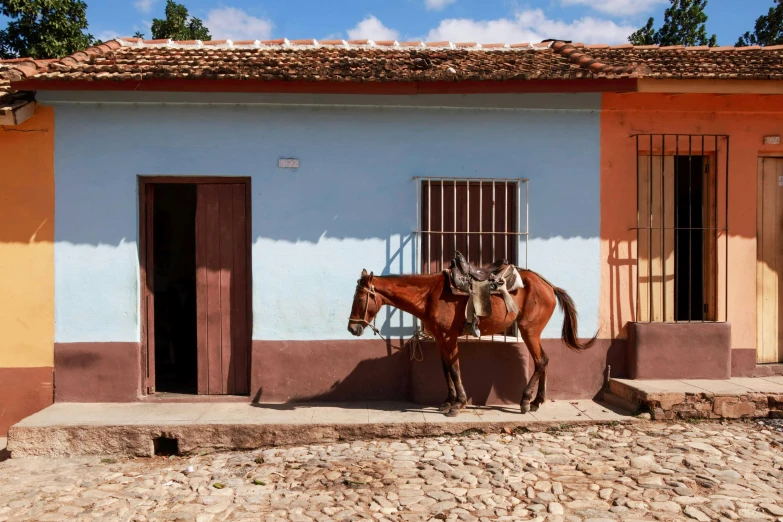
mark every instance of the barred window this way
{"type": "Point", "coordinates": [681, 226]}
{"type": "Point", "coordinates": [484, 219]}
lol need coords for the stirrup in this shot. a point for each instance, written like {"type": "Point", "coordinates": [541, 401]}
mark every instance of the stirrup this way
{"type": "Point", "coordinates": [471, 328]}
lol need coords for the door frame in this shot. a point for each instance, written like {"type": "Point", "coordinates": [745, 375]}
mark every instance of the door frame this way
{"type": "Point", "coordinates": [762, 156]}
{"type": "Point", "coordinates": [146, 278]}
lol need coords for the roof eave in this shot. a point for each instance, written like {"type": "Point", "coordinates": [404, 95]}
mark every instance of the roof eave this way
{"type": "Point", "coordinates": [328, 87]}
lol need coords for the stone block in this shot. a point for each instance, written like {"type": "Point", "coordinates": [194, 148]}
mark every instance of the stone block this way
{"type": "Point", "coordinates": [668, 400]}
{"type": "Point", "coordinates": [733, 408]}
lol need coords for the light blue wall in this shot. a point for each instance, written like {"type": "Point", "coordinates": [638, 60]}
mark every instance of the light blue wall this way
{"type": "Point", "coordinates": [351, 204]}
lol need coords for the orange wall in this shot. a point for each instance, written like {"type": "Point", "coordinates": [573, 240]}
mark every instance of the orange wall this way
{"type": "Point", "coordinates": [26, 267]}
{"type": "Point", "coordinates": [740, 117]}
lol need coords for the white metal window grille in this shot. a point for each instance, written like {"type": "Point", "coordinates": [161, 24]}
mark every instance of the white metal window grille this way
{"type": "Point", "coordinates": [484, 219]}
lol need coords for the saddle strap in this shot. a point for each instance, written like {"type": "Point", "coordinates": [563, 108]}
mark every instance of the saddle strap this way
{"type": "Point", "coordinates": [511, 305]}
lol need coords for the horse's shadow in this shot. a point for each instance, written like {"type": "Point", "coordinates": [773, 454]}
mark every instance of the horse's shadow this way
{"type": "Point", "coordinates": [492, 374]}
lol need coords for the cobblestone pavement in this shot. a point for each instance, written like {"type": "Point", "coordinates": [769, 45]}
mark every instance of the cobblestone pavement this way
{"type": "Point", "coordinates": [648, 471]}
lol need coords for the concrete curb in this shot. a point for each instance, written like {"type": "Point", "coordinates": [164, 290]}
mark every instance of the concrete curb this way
{"type": "Point", "coordinates": [138, 440]}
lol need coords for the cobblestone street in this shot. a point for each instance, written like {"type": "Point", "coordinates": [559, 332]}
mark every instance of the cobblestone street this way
{"type": "Point", "coordinates": [648, 471]}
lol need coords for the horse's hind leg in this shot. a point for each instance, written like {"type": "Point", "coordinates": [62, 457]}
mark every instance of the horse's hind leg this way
{"type": "Point", "coordinates": [452, 398]}
{"type": "Point", "coordinates": [541, 395]}
{"type": "Point", "coordinates": [538, 379]}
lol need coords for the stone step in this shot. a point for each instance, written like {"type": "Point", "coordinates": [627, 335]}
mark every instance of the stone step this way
{"type": "Point", "coordinates": [621, 403]}
{"type": "Point", "coordinates": [710, 399]}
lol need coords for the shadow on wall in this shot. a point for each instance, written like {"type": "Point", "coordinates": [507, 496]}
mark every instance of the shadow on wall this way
{"type": "Point", "coordinates": [492, 373]}
{"type": "Point", "coordinates": [621, 260]}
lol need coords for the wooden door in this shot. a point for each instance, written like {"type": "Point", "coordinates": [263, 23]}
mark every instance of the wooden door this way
{"type": "Point", "coordinates": [769, 260]}
{"type": "Point", "coordinates": [222, 289]}
{"type": "Point", "coordinates": [655, 248]}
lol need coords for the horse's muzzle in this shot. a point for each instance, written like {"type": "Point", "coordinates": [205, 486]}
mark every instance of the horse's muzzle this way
{"type": "Point", "coordinates": [356, 329]}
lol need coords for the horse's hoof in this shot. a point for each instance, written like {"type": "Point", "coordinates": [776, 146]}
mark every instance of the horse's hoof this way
{"type": "Point", "coordinates": [445, 407]}
{"type": "Point", "coordinates": [524, 407]}
{"type": "Point", "coordinates": [534, 406]}
{"type": "Point", "coordinates": [453, 412]}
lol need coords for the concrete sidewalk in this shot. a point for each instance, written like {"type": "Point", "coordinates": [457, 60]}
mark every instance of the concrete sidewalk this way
{"type": "Point", "coordinates": [132, 428]}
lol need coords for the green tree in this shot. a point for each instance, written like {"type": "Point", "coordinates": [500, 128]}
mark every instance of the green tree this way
{"type": "Point", "coordinates": [138, 34]}
{"type": "Point", "coordinates": [178, 25]}
{"type": "Point", "coordinates": [768, 30]}
{"type": "Point", "coordinates": [684, 23]}
{"type": "Point", "coordinates": [43, 28]}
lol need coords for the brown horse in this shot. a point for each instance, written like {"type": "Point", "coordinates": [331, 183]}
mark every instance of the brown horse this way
{"type": "Point", "coordinates": [428, 298]}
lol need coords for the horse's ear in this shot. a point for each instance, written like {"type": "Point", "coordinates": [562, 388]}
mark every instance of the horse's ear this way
{"type": "Point", "coordinates": [370, 279]}
{"type": "Point", "coordinates": [364, 273]}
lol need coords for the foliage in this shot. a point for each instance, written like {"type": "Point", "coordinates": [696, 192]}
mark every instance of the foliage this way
{"type": "Point", "coordinates": [644, 36]}
{"type": "Point", "coordinates": [138, 34]}
{"type": "Point", "coordinates": [684, 23]}
{"type": "Point", "coordinates": [768, 29]}
{"type": "Point", "coordinates": [178, 25]}
{"type": "Point", "coordinates": [44, 28]}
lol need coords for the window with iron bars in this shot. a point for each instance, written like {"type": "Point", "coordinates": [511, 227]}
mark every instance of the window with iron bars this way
{"type": "Point", "coordinates": [682, 225]}
{"type": "Point", "coordinates": [484, 219]}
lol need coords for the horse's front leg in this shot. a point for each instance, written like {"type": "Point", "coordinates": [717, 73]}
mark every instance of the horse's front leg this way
{"type": "Point", "coordinates": [451, 361]}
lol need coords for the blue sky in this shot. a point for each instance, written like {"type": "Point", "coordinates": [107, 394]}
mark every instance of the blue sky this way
{"type": "Point", "coordinates": [485, 21]}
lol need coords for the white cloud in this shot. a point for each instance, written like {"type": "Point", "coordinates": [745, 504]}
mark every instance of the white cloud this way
{"type": "Point", "coordinates": [437, 5]}
{"type": "Point", "coordinates": [105, 36]}
{"type": "Point", "coordinates": [371, 28]}
{"type": "Point", "coordinates": [145, 6]}
{"type": "Point", "coordinates": [529, 26]}
{"type": "Point", "coordinates": [230, 23]}
{"type": "Point", "coordinates": [617, 7]}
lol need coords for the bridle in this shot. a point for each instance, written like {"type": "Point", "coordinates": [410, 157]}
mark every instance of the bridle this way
{"type": "Point", "coordinates": [370, 291]}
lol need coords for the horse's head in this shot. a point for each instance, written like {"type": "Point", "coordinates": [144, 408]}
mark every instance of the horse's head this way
{"type": "Point", "coordinates": [366, 304]}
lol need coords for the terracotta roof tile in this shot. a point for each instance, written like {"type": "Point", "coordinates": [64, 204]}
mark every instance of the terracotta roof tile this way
{"type": "Point", "coordinates": [360, 61]}
{"type": "Point", "coordinates": [9, 71]}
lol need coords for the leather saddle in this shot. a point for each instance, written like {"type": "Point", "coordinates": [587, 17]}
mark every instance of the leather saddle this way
{"type": "Point", "coordinates": [466, 269]}
{"type": "Point", "coordinates": [480, 283]}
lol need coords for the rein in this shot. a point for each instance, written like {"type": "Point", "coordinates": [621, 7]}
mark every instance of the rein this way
{"type": "Point", "coordinates": [370, 292]}
{"type": "Point", "coordinates": [416, 352]}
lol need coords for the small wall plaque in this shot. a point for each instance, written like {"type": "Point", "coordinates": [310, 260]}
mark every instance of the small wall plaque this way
{"type": "Point", "coordinates": [288, 163]}
{"type": "Point", "coordinates": [771, 140]}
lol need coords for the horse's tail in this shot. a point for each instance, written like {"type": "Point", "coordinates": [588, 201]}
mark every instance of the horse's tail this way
{"type": "Point", "coordinates": [570, 326]}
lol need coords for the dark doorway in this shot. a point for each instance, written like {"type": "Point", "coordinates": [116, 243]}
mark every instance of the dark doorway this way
{"type": "Point", "coordinates": [174, 254]}
{"type": "Point", "coordinates": [689, 243]}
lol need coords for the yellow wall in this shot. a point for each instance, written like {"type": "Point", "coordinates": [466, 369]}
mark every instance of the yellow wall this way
{"type": "Point", "coordinates": [27, 242]}
{"type": "Point", "coordinates": [746, 119]}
